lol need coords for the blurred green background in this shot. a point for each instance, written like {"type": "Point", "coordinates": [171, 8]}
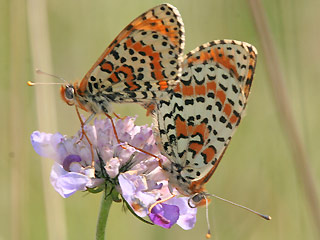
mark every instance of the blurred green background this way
{"type": "Point", "coordinates": [257, 170]}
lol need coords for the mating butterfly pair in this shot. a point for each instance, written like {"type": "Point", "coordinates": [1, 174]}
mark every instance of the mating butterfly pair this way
{"type": "Point", "coordinates": [197, 100]}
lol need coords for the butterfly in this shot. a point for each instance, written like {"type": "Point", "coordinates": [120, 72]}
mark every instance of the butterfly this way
{"type": "Point", "coordinates": [195, 126]}
{"type": "Point", "coordinates": [141, 64]}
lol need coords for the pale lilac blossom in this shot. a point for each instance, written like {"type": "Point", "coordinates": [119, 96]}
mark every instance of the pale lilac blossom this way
{"type": "Point", "coordinates": [135, 175]}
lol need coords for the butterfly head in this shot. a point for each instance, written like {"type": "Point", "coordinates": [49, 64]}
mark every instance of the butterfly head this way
{"type": "Point", "coordinates": [198, 199]}
{"type": "Point", "coordinates": [73, 95]}
{"type": "Point", "coordinates": [68, 94]}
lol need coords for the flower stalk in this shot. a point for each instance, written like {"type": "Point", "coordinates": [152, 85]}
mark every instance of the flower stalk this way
{"type": "Point", "coordinates": [106, 201]}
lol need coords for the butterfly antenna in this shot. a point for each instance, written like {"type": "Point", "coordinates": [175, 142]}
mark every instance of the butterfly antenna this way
{"type": "Point", "coordinates": [267, 217]}
{"type": "Point", "coordinates": [38, 71]}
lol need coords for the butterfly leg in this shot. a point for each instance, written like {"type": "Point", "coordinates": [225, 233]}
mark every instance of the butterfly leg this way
{"type": "Point", "coordinates": [139, 149]}
{"type": "Point", "coordinates": [114, 130]}
{"type": "Point", "coordinates": [85, 123]}
{"type": "Point", "coordinates": [84, 134]}
{"type": "Point", "coordinates": [117, 116]}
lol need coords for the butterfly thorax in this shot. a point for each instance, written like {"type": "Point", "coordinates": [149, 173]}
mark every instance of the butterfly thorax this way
{"type": "Point", "coordinates": [77, 95]}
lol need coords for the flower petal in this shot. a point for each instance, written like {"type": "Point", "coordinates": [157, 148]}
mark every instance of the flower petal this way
{"type": "Point", "coordinates": [133, 189]}
{"type": "Point", "coordinates": [70, 159]}
{"type": "Point", "coordinates": [188, 215]}
{"type": "Point", "coordinates": [67, 183]}
{"type": "Point", "coordinates": [112, 167]}
{"type": "Point", "coordinates": [48, 145]}
{"type": "Point", "coordinates": [164, 215]}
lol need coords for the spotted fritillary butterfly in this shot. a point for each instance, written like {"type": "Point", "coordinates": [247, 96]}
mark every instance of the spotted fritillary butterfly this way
{"type": "Point", "coordinates": [141, 64]}
{"type": "Point", "coordinates": [195, 126]}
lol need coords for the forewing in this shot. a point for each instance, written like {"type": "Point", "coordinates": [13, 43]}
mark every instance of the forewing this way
{"type": "Point", "coordinates": [197, 124]}
{"type": "Point", "coordinates": [144, 61]}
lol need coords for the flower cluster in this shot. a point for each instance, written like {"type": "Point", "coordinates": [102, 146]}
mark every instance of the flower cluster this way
{"type": "Point", "coordinates": [134, 174]}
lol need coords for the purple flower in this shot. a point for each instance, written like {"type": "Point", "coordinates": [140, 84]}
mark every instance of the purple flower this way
{"type": "Point", "coordinates": [135, 175]}
{"type": "Point", "coordinates": [187, 216]}
{"type": "Point", "coordinates": [141, 194]}
{"type": "Point", "coordinates": [164, 215]}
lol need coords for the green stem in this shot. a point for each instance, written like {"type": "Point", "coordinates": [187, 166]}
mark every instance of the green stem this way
{"type": "Point", "coordinates": [105, 205]}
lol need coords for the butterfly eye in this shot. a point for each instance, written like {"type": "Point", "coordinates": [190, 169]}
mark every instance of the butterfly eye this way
{"type": "Point", "coordinates": [196, 199]}
{"type": "Point", "coordinates": [69, 92]}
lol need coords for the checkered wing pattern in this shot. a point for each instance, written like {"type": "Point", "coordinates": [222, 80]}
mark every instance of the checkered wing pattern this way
{"type": "Point", "coordinates": [196, 125]}
{"type": "Point", "coordinates": [142, 63]}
